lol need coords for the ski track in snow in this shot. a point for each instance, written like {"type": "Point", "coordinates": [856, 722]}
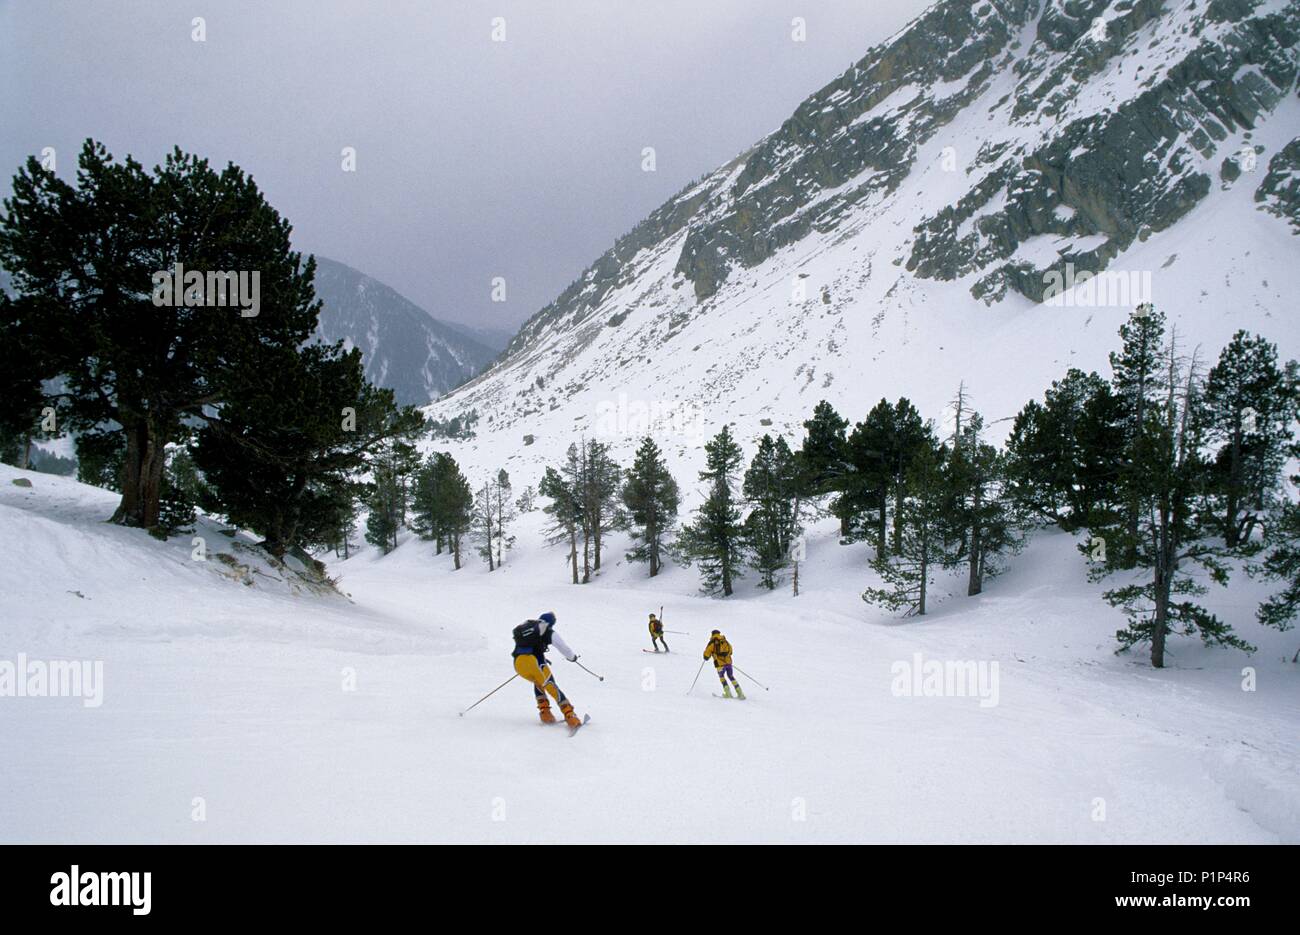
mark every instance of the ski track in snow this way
{"type": "Point", "coordinates": [233, 693]}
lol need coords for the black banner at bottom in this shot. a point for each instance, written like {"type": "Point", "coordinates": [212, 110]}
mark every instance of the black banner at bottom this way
{"type": "Point", "coordinates": [143, 884]}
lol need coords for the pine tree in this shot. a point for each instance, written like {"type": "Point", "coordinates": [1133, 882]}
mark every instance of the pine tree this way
{"type": "Point", "coordinates": [503, 507]}
{"type": "Point", "coordinates": [1169, 480]}
{"type": "Point", "coordinates": [1282, 531]}
{"type": "Point", "coordinates": [564, 510]}
{"type": "Point", "coordinates": [651, 497]}
{"type": "Point", "coordinates": [881, 449]}
{"type": "Point", "coordinates": [770, 489]}
{"type": "Point", "coordinates": [981, 516]}
{"type": "Point", "coordinates": [340, 538]}
{"type": "Point", "coordinates": [406, 462]}
{"type": "Point", "coordinates": [1065, 455]}
{"type": "Point", "coordinates": [24, 368]}
{"type": "Point", "coordinates": [1136, 375]}
{"type": "Point", "coordinates": [1282, 563]}
{"type": "Point", "coordinates": [1248, 416]}
{"type": "Point", "coordinates": [600, 487]}
{"type": "Point", "coordinates": [872, 454]}
{"type": "Point", "coordinates": [824, 463]}
{"type": "Point", "coordinates": [83, 261]}
{"type": "Point", "coordinates": [714, 540]}
{"type": "Point", "coordinates": [483, 525]}
{"type": "Point", "coordinates": [436, 488]}
{"type": "Point", "coordinates": [386, 499]}
{"type": "Point", "coordinates": [457, 509]}
{"type": "Point", "coordinates": [381, 520]}
{"type": "Point", "coordinates": [426, 501]}
{"type": "Point", "coordinates": [283, 456]}
{"type": "Point", "coordinates": [183, 489]}
{"type": "Point", "coordinates": [101, 458]}
{"type": "Point", "coordinates": [442, 505]}
{"type": "Point", "coordinates": [918, 548]}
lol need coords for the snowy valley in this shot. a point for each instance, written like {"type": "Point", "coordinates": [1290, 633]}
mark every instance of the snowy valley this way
{"type": "Point", "coordinates": [897, 236]}
{"type": "Point", "coordinates": [233, 698]}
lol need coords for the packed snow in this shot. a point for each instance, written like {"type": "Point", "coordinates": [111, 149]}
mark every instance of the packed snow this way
{"type": "Point", "coordinates": [229, 701]}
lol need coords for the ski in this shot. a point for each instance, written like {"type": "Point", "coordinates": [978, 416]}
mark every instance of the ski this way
{"type": "Point", "coordinates": [657, 653]}
{"type": "Point", "coordinates": [726, 697]}
{"type": "Point", "coordinates": [574, 730]}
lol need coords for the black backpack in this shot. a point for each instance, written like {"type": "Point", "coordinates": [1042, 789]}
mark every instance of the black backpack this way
{"type": "Point", "coordinates": [526, 633]}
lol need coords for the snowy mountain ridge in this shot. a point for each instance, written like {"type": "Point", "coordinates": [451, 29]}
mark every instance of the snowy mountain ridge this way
{"type": "Point", "coordinates": [900, 231]}
{"type": "Point", "coordinates": [402, 346]}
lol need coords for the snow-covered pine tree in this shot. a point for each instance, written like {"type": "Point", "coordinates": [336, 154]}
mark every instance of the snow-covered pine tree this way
{"type": "Point", "coordinates": [715, 539]}
{"type": "Point", "coordinates": [651, 497]}
{"type": "Point", "coordinates": [918, 548]}
{"type": "Point", "coordinates": [770, 489]}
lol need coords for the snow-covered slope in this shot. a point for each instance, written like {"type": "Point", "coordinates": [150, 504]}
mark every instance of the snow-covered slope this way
{"type": "Point", "coordinates": [899, 232]}
{"type": "Point", "coordinates": [233, 699]}
{"type": "Point", "coordinates": [416, 356]}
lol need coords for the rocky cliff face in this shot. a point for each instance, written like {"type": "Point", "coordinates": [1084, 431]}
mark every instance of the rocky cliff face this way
{"type": "Point", "coordinates": [404, 349]}
{"type": "Point", "coordinates": [1098, 113]}
{"type": "Point", "coordinates": [1279, 193]}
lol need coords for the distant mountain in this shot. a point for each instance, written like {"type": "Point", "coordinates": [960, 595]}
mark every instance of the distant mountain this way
{"type": "Point", "coordinates": [498, 339]}
{"type": "Point", "coordinates": [405, 349]}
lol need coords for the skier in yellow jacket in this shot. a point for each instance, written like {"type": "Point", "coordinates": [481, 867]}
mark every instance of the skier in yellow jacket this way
{"type": "Point", "coordinates": [719, 650]}
{"type": "Point", "coordinates": [657, 633]}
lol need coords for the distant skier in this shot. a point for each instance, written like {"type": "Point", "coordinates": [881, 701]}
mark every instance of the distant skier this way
{"type": "Point", "coordinates": [719, 650]}
{"type": "Point", "coordinates": [532, 639]}
{"type": "Point", "coordinates": [657, 633]}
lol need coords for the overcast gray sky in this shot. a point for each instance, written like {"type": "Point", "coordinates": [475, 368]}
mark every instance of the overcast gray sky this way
{"type": "Point", "coordinates": [475, 158]}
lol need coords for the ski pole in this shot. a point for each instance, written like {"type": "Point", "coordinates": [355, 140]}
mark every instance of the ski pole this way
{"type": "Point", "coordinates": [752, 679]}
{"type": "Point", "coordinates": [678, 632]}
{"type": "Point", "coordinates": [588, 671]}
{"type": "Point", "coordinates": [490, 694]}
{"type": "Point", "coordinates": [697, 677]}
